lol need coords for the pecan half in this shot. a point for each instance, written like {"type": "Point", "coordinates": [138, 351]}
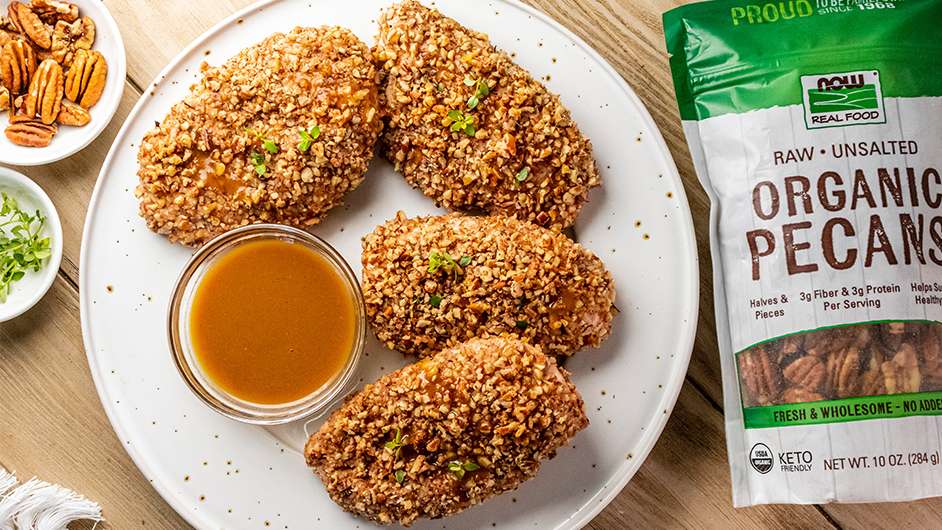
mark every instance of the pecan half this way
{"type": "Point", "coordinates": [807, 372]}
{"type": "Point", "coordinates": [894, 334]}
{"type": "Point", "coordinates": [68, 38]}
{"type": "Point", "coordinates": [761, 377]}
{"type": "Point", "coordinates": [800, 394]}
{"type": "Point", "coordinates": [901, 373]}
{"type": "Point", "coordinates": [17, 64]}
{"type": "Point", "coordinates": [86, 79]}
{"type": "Point", "coordinates": [4, 99]}
{"type": "Point", "coordinates": [73, 114]}
{"type": "Point", "coordinates": [31, 134]}
{"type": "Point", "coordinates": [29, 24]}
{"type": "Point", "coordinates": [18, 111]}
{"type": "Point", "coordinates": [843, 370]}
{"type": "Point", "coordinates": [52, 11]}
{"type": "Point", "coordinates": [45, 92]}
{"type": "Point", "coordinates": [930, 347]}
{"type": "Point", "coordinates": [872, 382]}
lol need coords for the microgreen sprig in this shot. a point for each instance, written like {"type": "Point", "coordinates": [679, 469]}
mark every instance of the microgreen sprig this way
{"type": "Point", "coordinates": [482, 90]}
{"type": "Point", "coordinates": [397, 443]}
{"type": "Point", "coordinates": [400, 476]}
{"type": "Point", "coordinates": [258, 161]}
{"type": "Point", "coordinates": [307, 138]}
{"type": "Point", "coordinates": [435, 301]}
{"type": "Point", "coordinates": [523, 175]}
{"type": "Point", "coordinates": [21, 247]}
{"type": "Point", "coordinates": [443, 261]}
{"type": "Point", "coordinates": [461, 122]}
{"type": "Point", "coordinates": [267, 143]}
{"type": "Point", "coordinates": [459, 468]}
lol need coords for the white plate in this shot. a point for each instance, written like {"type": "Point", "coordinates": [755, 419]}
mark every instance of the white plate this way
{"type": "Point", "coordinates": [221, 474]}
{"type": "Point", "coordinates": [70, 140]}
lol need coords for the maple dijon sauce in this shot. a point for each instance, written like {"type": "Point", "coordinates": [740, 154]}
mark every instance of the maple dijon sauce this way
{"type": "Point", "coordinates": [272, 322]}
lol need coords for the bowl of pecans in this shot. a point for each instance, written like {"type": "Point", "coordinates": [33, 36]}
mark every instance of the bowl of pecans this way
{"type": "Point", "coordinates": [62, 72]}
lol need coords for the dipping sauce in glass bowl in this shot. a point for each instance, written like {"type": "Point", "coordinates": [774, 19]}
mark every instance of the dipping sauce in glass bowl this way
{"type": "Point", "coordinates": [267, 324]}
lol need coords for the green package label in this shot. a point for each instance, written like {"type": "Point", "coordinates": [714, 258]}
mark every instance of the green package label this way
{"type": "Point", "coordinates": [844, 410]}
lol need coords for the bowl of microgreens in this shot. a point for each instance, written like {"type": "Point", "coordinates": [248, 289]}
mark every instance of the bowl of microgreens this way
{"type": "Point", "coordinates": [30, 243]}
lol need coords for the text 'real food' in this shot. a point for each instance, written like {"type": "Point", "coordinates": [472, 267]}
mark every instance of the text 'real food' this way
{"type": "Point", "coordinates": [818, 132]}
{"type": "Point", "coordinates": [473, 130]}
{"type": "Point", "coordinates": [280, 133]}
{"type": "Point", "coordinates": [433, 282]}
{"type": "Point", "coordinates": [447, 432]}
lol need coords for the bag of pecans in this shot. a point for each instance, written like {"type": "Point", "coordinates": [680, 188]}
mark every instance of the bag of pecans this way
{"type": "Point", "coordinates": [816, 128]}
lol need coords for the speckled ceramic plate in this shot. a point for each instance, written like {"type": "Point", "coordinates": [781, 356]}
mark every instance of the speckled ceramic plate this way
{"type": "Point", "coordinates": [221, 474]}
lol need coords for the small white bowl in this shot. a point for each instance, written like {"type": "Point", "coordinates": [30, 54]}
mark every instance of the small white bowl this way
{"type": "Point", "coordinates": [70, 140]}
{"type": "Point", "coordinates": [25, 293]}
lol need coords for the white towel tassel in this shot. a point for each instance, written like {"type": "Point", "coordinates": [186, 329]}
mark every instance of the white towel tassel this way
{"type": "Point", "coordinates": [38, 505]}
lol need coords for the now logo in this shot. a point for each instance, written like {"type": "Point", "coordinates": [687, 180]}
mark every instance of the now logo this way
{"type": "Point", "coordinates": [842, 99]}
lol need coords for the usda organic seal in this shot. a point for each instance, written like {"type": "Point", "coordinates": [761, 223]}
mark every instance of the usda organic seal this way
{"type": "Point", "coordinates": [761, 458]}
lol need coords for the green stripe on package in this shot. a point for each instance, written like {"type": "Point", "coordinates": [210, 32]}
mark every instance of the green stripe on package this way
{"type": "Point", "coordinates": [816, 128]}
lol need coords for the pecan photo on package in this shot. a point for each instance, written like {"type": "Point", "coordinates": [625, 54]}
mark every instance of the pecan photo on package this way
{"type": "Point", "coordinates": [852, 361]}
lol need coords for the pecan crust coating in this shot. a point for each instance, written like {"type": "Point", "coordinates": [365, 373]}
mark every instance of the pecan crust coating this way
{"type": "Point", "coordinates": [228, 155]}
{"type": "Point", "coordinates": [495, 407]}
{"type": "Point", "coordinates": [431, 67]}
{"type": "Point", "coordinates": [517, 278]}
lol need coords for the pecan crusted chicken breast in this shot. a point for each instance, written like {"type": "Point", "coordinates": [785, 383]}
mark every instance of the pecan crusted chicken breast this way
{"type": "Point", "coordinates": [447, 432]}
{"type": "Point", "coordinates": [434, 282]}
{"type": "Point", "coordinates": [279, 133]}
{"type": "Point", "coordinates": [473, 130]}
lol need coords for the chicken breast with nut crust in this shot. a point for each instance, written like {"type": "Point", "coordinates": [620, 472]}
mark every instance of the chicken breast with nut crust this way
{"type": "Point", "coordinates": [433, 282]}
{"type": "Point", "coordinates": [473, 130]}
{"type": "Point", "coordinates": [279, 133]}
{"type": "Point", "coordinates": [447, 432]}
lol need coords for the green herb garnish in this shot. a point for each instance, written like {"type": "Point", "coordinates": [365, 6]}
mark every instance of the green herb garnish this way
{"type": "Point", "coordinates": [435, 301]}
{"type": "Point", "coordinates": [399, 475]}
{"type": "Point", "coordinates": [307, 138]}
{"type": "Point", "coordinates": [462, 122]}
{"type": "Point", "coordinates": [258, 161]}
{"type": "Point", "coordinates": [481, 92]}
{"type": "Point", "coordinates": [267, 143]}
{"type": "Point", "coordinates": [21, 247]}
{"type": "Point", "coordinates": [464, 261]}
{"type": "Point", "coordinates": [460, 468]}
{"type": "Point", "coordinates": [441, 260]}
{"type": "Point", "coordinates": [523, 175]}
{"type": "Point", "coordinates": [522, 325]}
{"type": "Point", "coordinates": [397, 443]}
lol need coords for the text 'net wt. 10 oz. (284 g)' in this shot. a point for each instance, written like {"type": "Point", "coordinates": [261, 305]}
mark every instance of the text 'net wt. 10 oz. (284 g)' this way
{"type": "Point", "coordinates": [816, 128]}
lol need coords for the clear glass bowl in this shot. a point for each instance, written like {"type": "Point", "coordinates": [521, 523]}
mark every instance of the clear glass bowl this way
{"type": "Point", "coordinates": [182, 348]}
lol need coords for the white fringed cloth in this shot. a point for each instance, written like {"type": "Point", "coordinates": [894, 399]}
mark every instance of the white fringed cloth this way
{"type": "Point", "coordinates": [38, 505]}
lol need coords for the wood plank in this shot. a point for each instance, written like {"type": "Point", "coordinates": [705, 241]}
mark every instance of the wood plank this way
{"type": "Point", "coordinates": [685, 481]}
{"type": "Point", "coordinates": [52, 425]}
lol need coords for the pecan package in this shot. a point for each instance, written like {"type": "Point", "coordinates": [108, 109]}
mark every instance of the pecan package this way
{"type": "Point", "coordinates": [816, 128]}
{"type": "Point", "coordinates": [49, 73]}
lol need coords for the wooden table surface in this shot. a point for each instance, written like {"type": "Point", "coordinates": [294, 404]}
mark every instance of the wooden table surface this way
{"type": "Point", "coordinates": [52, 424]}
